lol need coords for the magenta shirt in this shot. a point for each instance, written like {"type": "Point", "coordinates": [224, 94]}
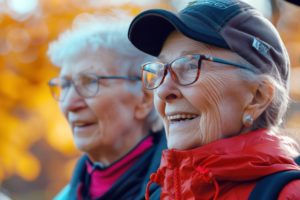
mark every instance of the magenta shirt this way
{"type": "Point", "coordinates": [103, 179]}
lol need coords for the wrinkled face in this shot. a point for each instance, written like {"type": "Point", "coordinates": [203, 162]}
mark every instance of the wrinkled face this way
{"type": "Point", "coordinates": [211, 108]}
{"type": "Point", "coordinates": [104, 126]}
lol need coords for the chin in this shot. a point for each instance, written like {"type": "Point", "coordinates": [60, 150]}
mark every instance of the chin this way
{"type": "Point", "coordinates": [176, 145]}
{"type": "Point", "coordinates": [183, 144]}
{"type": "Point", "coordinates": [83, 146]}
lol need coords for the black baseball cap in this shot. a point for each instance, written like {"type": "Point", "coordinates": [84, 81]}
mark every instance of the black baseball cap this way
{"type": "Point", "coordinates": [296, 2]}
{"type": "Point", "coordinates": [229, 24]}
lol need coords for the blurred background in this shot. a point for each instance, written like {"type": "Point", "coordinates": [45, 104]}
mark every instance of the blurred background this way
{"type": "Point", "coordinates": [37, 154]}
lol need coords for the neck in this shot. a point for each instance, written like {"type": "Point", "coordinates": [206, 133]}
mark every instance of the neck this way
{"type": "Point", "coordinates": [103, 178]}
{"type": "Point", "coordinates": [105, 155]}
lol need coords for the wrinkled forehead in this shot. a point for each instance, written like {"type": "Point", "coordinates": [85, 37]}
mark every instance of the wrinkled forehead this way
{"type": "Point", "coordinates": [177, 45]}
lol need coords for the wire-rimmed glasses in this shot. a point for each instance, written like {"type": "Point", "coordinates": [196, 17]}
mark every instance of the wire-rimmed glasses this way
{"type": "Point", "coordinates": [86, 85]}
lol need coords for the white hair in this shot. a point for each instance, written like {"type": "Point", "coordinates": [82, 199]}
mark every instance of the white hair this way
{"type": "Point", "coordinates": [94, 33]}
{"type": "Point", "coordinates": [273, 115]}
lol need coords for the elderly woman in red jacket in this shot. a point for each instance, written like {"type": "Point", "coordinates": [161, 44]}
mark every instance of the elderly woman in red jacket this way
{"type": "Point", "coordinates": [220, 85]}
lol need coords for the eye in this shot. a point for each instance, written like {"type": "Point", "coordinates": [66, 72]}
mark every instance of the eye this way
{"type": "Point", "coordinates": [87, 80]}
{"type": "Point", "coordinates": [64, 84]}
{"type": "Point", "coordinates": [191, 66]}
{"type": "Point", "coordinates": [185, 66]}
{"type": "Point", "coordinates": [88, 84]}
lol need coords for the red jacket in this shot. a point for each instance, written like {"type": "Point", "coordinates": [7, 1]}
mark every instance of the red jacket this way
{"type": "Point", "coordinates": [224, 169]}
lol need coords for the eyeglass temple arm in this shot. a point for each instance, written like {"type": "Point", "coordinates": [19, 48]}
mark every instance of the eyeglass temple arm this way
{"type": "Point", "coordinates": [218, 60]}
{"type": "Point", "coordinates": [133, 78]}
{"type": "Point", "coordinates": [149, 70]}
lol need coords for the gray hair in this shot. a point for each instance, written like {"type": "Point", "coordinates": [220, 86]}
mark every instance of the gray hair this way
{"type": "Point", "coordinates": [272, 117]}
{"type": "Point", "coordinates": [93, 33]}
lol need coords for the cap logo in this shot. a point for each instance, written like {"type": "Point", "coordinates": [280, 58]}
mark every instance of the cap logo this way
{"type": "Point", "coordinates": [221, 4]}
{"type": "Point", "coordinates": [261, 47]}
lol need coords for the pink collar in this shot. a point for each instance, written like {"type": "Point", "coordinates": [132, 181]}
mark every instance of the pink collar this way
{"type": "Point", "coordinates": [102, 179]}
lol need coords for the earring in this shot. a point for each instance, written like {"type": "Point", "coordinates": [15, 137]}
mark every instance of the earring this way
{"type": "Point", "coordinates": [248, 120]}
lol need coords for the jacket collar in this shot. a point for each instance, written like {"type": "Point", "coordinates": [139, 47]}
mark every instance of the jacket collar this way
{"type": "Point", "coordinates": [243, 157]}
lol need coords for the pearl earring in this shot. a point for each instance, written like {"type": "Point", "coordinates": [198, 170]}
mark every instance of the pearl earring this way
{"type": "Point", "coordinates": [248, 120]}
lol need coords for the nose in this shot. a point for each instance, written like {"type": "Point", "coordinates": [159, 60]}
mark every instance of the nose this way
{"type": "Point", "coordinates": [72, 101]}
{"type": "Point", "coordinates": [168, 90]}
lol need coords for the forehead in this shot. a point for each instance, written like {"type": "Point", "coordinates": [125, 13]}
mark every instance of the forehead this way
{"type": "Point", "coordinates": [101, 63]}
{"type": "Point", "coordinates": [177, 45]}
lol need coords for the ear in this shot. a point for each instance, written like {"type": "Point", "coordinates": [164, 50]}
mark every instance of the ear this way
{"type": "Point", "coordinates": [145, 106]}
{"type": "Point", "coordinates": [262, 97]}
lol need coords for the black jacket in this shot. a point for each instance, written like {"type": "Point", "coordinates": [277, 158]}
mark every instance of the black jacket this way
{"type": "Point", "coordinates": [130, 186]}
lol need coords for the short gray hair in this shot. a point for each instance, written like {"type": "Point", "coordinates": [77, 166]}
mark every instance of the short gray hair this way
{"type": "Point", "coordinates": [94, 33]}
{"type": "Point", "coordinates": [273, 117]}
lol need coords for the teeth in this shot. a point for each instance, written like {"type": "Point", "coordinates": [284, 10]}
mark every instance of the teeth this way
{"type": "Point", "coordinates": [181, 117]}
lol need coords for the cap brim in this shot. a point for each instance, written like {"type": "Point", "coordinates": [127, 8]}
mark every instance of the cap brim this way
{"type": "Point", "coordinates": [149, 30]}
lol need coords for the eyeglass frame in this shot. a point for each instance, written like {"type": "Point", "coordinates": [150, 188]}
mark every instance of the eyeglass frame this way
{"type": "Point", "coordinates": [168, 67]}
{"type": "Point", "coordinates": [98, 78]}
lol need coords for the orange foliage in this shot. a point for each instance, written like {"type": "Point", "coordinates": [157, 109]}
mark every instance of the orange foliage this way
{"type": "Point", "coordinates": [28, 113]}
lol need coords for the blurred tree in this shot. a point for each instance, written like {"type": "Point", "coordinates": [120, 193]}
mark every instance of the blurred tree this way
{"type": "Point", "coordinates": [35, 140]}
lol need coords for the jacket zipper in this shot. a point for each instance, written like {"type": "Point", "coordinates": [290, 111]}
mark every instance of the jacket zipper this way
{"type": "Point", "coordinates": [177, 185]}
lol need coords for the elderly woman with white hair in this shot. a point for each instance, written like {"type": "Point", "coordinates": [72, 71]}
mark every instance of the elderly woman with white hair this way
{"type": "Point", "coordinates": [112, 117]}
{"type": "Point", "coordinates": [220, 84]}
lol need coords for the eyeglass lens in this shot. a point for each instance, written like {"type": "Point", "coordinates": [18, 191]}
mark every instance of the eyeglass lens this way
{"type": "Point", "coordinates": [86, 86]}
{"type": "Point", "coordinates": [184, 70]}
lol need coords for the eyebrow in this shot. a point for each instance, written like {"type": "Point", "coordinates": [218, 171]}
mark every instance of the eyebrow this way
{"type": "Point", "coordinates": [160, 57]}
{"type": "Point", "coordinates": [183, 53]}
{"type": "Point", "coordinates": [187, 53]}
{"type": "Point", "coordinates": [67, 77]}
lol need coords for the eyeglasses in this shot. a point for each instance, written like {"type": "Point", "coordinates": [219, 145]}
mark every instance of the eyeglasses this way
{"type": "Point", "coordinates": [86, 85]}
{"type": "Point", "coordinates": [184, 70]}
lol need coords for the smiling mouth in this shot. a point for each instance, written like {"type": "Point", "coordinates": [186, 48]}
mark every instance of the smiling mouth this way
{"type": "Point", "coordinates": [82, 125]}
{"type": "Point", "coordinates": [181, 117]}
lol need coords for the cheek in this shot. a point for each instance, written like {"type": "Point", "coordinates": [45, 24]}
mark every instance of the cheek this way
{"type": "Point", "coordinates": [159, 105]}
{"type": "Point", "coordinates": [114, 108]}
{"type": "Point", "coordinates": [102, 107]}
{"type": "Point", "coordinates": [160, 108]}
{"type": "Point", "coordinates": [217, 102]}
{"type": "Point", "coordinates": [206, 96]}
{"type": "Point", "coordinates": [63, 109]}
